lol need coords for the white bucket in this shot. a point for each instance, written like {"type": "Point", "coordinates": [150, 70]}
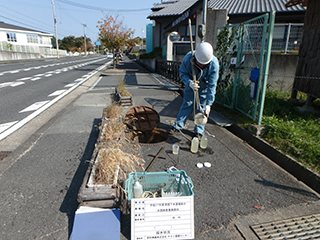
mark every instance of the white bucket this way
{"type": "Point", "coordinates": [200, 119]}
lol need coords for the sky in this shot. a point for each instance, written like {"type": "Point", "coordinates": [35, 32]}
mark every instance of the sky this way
{"type": "Point", "coordinates": [72, 14]}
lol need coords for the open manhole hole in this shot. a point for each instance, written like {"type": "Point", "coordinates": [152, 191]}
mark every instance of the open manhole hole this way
{"type": "Point", "coordinates": [150, 137]}
{"type": "Point", "coordinates": [143, 121]}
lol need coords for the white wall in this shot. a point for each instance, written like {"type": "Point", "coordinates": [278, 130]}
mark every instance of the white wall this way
{"type": "Point", "coordinates": [22, 38]}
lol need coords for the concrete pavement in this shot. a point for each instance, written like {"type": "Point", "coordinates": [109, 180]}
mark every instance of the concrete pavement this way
{"type": "Point", "coordinates": [41, 178]}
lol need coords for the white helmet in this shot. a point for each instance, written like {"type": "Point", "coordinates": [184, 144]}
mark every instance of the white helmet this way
{"type": "Point", "coordinates": [204, 53]}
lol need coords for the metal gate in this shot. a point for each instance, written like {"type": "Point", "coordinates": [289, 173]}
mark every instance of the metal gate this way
{"type": "Point", "coordinates": [244, 51]}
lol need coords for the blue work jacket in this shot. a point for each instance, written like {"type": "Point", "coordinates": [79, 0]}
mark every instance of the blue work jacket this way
{"type": "Point", "coordinates": [208, 80]}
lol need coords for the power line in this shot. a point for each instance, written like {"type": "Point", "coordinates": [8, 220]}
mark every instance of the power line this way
{"type": "Point", "coordinates": [37, 20]}
{"type": "Point", "coordinates": [20, 23]}
{"type": "Point", "coordinates": [102, 9]}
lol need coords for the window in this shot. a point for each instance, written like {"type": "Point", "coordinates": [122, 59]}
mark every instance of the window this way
{"type": "Point", "coordinates": [31, 38]}
{"type": "Point", "coordinates": [11, 37]}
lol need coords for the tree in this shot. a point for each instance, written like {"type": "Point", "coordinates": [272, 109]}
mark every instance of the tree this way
{"type": "Point", "coordinates": [113, 34]}
{"type": "Point", "coordinates": [73, 44]}
{"type": "Point", "coordinates": [308, 71]}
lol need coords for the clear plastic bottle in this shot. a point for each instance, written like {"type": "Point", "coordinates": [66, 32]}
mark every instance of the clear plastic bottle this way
{"type": "Point", "coordinates": [204, 142]}
{"type": "Point", "coordinates": [137, 190]}
{"type": "Point", "coordinates": [194, 145]}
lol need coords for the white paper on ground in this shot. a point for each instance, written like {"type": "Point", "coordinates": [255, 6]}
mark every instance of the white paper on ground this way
{"type": "Point", "coordinates": [96, 223]}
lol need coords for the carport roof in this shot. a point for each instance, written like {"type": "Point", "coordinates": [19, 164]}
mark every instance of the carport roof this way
{"type": "Point", "coordinates": [253, 6]}
{"type": "Point", "coordinates": [171, 8]}
{"type": "Point", "coordinates": [235, 7]}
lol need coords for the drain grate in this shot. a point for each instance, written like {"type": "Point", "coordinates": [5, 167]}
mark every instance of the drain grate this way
{"type": "Point", "coordinates": [4, 154]}
{"type": "Point", "coordinates": [307, 227]}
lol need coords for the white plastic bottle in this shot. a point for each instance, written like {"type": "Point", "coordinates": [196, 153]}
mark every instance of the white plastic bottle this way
{"type": "Point", "coordinates": [137, 190]}
{"type": "Point", "coordinates": [204, 142]}
{"type": "Point", "coordinates": [194, 145]}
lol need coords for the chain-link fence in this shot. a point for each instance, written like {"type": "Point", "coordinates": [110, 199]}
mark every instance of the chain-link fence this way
{"type": "Point", "coordinates": [243, 51]}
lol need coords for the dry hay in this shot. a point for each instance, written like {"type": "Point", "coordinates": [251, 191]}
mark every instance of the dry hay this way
{"type": "Point", "coordinates": [112, 130]}
{"type": "Point", "coordinates": [113, 111]}
{"type": "Point", "coordinates": [111, 159]}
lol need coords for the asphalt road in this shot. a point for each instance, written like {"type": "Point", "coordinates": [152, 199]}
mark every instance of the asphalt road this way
{"type": "Point", "coordinates": [28, 87]}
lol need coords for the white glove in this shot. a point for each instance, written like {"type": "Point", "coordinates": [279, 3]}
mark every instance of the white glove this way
{"type": "Point", "coordinates": [207, 111]}
{"type": "Point", "coordinates": [194, 85]}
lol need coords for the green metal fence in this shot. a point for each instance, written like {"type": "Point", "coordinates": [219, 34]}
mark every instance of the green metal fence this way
{"type": "Point", "coordinates": [244, 51]}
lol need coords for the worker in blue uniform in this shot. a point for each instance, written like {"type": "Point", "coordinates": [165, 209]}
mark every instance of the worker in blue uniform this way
{"type": "Point", "coordinates": [207, 74]}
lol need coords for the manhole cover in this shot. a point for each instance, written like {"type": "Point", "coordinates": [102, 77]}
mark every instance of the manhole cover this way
{"type": "Point", "coordinates": [4, 154]}
{"type": "Point", "coordinates": [142, 118]}
{"type": "Point", "coordinates": [307, 227]}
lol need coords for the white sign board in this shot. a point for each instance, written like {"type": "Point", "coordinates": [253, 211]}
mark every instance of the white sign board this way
{"type": "Point", "coordinates": [162, 218]}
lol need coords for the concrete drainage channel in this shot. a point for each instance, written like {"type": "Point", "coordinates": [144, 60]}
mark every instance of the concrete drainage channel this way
{"type": "Point", "coordinates": [142, 122]}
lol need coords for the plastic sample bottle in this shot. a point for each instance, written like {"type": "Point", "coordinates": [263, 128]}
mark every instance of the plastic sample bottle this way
{"type": "Point", "coordinates": [137, 190]}
{"type": "Point", "coordinates": [194, 145]}
{"type": "Point", "coordinates": [204, 142]}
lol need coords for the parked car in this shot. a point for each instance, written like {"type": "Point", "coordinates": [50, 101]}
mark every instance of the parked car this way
{"type": "Point", "coordinates": [109, 55]}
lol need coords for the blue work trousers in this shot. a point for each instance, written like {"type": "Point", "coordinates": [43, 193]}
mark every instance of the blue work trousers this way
{"type": "Point", "coordinates": [187, 107]}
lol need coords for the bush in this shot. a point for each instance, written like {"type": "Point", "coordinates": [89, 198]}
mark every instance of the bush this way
{"type": "Point", "coordinates": [157, 51]}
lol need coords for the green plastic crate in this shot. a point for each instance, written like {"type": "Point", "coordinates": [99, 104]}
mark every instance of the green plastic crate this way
{"type": "Point", "coordinates": [176, 181]}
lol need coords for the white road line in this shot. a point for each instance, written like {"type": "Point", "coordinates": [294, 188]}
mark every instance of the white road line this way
{"type": "Point", "coordinates": [15, 71]}
{"type": "Point", "coordinates": [35, 79]}
{"type": "Point", "coordinates": [70, 85]}
{"type": "Point", "coordinates": [27, 69]}
{"type": "Point", "coordinates": [48, 75]}
{"type": "Point", "coordinates": [95, 84]}
{"type": "Point", "coordinates": [17, 84]}
{"type": "Point", "coordinates": [5, 126]}
{"type": "Point", "coordinates": [78, 80]}
{"type": "Point", "coordinates": [2, 85]}
{"type": "Point", "coordinates": [23, 79]}
{"type": "Point", "coordinates": [34, 106]}
{"type": "Point", "coordinates": [56, 93]}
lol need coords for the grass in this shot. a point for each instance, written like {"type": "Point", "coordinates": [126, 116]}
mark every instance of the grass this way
{"type": "Point", "coordinates": [122, 89]}
{"type": "Point", "coordinates": [287, 129]}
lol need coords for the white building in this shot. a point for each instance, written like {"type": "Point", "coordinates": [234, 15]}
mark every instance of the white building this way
{"type": "Point", "coordinates": [24, 43]}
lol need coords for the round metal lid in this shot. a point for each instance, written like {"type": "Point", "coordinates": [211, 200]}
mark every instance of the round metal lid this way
{"type": "Point", "coordinates": [142, 118]}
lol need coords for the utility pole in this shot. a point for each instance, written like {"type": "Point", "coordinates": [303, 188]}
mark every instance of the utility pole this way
{"type": "Point", "coordinates": [55, 28]}
{"type": "Point", "coordinates": [204, 19]}
{"type": "Point", "coordinates": [85, 40]}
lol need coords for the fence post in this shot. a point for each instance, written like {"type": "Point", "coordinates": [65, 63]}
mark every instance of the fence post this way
{"type": "Point", "coordinates": [287, 39]}
{"type": "Point", "coordinates": [266, 66]}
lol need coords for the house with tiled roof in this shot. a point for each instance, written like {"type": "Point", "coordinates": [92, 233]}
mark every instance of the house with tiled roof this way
{"type": "Point", "coordinates": [172, 16]}
{"type": "Point", "coordinates": [16, 39]}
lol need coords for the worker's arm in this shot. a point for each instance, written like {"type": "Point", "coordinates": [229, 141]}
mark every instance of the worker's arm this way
{"type": "Point", "coordinates": [213, 77]}
{"type": "Point", "coordinates": [185, 70]}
